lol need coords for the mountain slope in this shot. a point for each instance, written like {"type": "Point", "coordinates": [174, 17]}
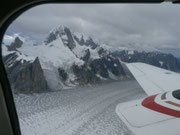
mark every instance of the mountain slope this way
{"type": "Point", "coordinates": [25, 73]}
{"type": "Point", "coordinates": [64, 60]}
{"type": "Point", "coordinates": [158, 59]}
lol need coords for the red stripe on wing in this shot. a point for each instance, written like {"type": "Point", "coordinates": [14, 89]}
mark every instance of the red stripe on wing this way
{"type": "Point", "coordinates": [150, 103]}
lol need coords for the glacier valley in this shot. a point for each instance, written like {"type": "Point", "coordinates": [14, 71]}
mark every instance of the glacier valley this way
{"type": "Point", "coordinates": [87, 110]}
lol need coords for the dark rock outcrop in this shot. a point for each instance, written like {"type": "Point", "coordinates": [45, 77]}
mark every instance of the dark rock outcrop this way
{"type": "Point", "coordinates": [107, 64]}
{"type": "Point", "coordinates": [25, 76]}
{"type": "Point", "coordinates": [80, 41]}
{"type": "Point", "coordinates": [87, 56]}
{"type": "Point", "coordinates": [50, 38]}
{"type": "Point", "coordinates": [91, 43]}
{"type": "Point", "coordinates": [16, 44]}
{"type": "Point", "coordinates": [62, 32]}
{"type": "Point", "coordinates": [84, 75]}
{"type": "Point", "coordinates": [162, 60]}
{"type": "Point", "coordinates": [70, 41]}
{"type": "Point", "coordinates": [62, 74]}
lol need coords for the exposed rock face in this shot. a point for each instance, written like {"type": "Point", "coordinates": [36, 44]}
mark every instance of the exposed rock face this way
{"type": "Point", "coordinates": [63, 75]}
{"type": "Point", "coordinates": [166, 61]}
{"type": "Point", "coordinates": [91, 43]}
{"type": "Point", "coordinates": [25, 76]}
{"type": "Point", "coordinates": [101, 51]}
{"type": "Point", "coordinates": [69, 59]}
{"type": "Point", "coordinates": [84, 75]}
{"type": "Point", "coordinates": [50, 38]}
{"type": "Point", "coordinates": [107, 64]}
{"type": "Point", "coordinates": [79, 40]}
{"type": "Point", "coordinates": [16, 44]}
{"type": "Point", "coordinates": [70, 40]}
{"type": "Point", "coordinates": [104, 65]}
{"type": "Point", "coordinates": [178, 59]}
{"type": "Point", "coordinates": [31, 78]}
{"type": "Point", "coordinates": [87, 55]}
{"type": "Point", "coordinates": [65, 34]}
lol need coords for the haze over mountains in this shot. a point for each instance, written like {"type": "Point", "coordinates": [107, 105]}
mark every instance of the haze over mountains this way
{"type": "Point", "coordinates": [66, 59]}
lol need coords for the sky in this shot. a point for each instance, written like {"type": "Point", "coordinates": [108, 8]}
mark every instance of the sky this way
{"type": "Point", "coordinates": [135, 26]}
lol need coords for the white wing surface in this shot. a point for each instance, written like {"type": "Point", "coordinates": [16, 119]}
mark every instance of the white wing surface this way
{"type": "Point", "coordinates": [154, 80]}
{"type": "Point", "coordinates": [159, 113]}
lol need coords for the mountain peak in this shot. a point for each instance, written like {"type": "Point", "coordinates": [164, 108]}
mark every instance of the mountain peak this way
{"type": "Point", "coordinates": [59, 29]}
{"type": "Point", "coordinates": [57, 32]}
{"type": "Point", "coordinates": [16, 44]}
{"type": "Point", "coordinates": [70, 38]}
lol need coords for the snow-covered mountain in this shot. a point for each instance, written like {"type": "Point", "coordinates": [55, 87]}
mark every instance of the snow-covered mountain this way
{"type": "Point", "coordinates": [25, 72]}
{"type": "Point", "coordinates": [158, 59]}
{"type": "Point", "coordinates": [65, 59]}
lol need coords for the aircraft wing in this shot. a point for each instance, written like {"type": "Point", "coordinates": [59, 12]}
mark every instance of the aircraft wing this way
{"type": "Point", "coordinates": [154, 80]}
{"type": "Point", "coordinates": [159, 113]}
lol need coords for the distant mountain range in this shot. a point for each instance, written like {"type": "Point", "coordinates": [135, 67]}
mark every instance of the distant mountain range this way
{"type": "Point", "coordinates": [158, 59]}
{"type": "Point", "coordinates": [67, 59]}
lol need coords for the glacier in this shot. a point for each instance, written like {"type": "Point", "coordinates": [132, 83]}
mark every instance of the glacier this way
{"type": "Point", "coordinates": [87, 110]}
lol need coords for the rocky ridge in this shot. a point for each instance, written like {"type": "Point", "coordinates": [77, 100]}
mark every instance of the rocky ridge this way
{"type": "Point", "coordinates": [67, 59]}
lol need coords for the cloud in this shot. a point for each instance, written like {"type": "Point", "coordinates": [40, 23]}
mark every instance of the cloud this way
{"type": "Point", "coordinates": [149, 25]}
{"type": "Point", "coordinates": [8, 39]}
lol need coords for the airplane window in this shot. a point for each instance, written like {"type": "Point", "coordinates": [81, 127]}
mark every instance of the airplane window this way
{"type": "Point", "coordinates": [85, 69]}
